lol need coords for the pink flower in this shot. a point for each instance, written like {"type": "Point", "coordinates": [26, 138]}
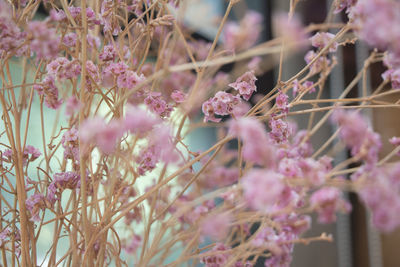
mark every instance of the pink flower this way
{"type": "Point", "coordinates": [129, 79]}
{"type": "Point", "coordinates": [45, 41]}
{"type": "Point", "coordinates": [178, 96]}
{"type": "Point", "coordinates": [356, 134]}
{"type": "Point", "coordinates": [280, 130]}
{"type": "Point", "coordinates": [343, 4]}
{"type": "Point", "coordinates": [62, 181]}
{"type": "Point", "coordinates": [373, 21]}
{"type": "Point", "coordinates": [107, 136]}
{"type": "Point", "coordinates": [257, 147]}
{"type": "Point", "coordinates": [289, 167]}
{"type": "Point", "coordinates": [221, 104]}
{"type": "Point", "coordinates": [134, 244]}
{"type": "Point", "coordinates": [4, 235]}
{"type": "Point", "coordinates": [70, 144]}
{"type": "Point", "coordinates": [31, 150]}
{"type": "Point", "coordinates": [395, 141]}
{"type": "Point", "coordinates": [313, 171]}
{"type": "Point", "coordinates": [321, 39]}
{"type": "Point", "coordinates": [109, 53]}
{"type": "Point", "coordinates": [393, 75]}
{"type": "Point", "coordinates": [254, 64]}
{"type": "Point", "coordinates": [282, 102]}
{"type": "Point", "coordinates": [139, 121]}
{"type": "Point", "coordinates": [262, 188]}
{"type": "Point", "coordinates": [209, 111]}
{"type": "Point", "coordinates": [291, 30]}
{"type": "Point", "coordinates": [321, 63]}
{"type": "Point", "coordinates": [245, 84]}
{"type": "Point", "coordinates": [380, 193]}
{"type": "Point", "coordinates": [70, 39]}
{"type": "Point", "coordinates": [326, 202]}
{"type": "Point", "coordinates": [34, 204]}
{"type": "Point", "coordinates": [309, 86]}
{"type": "Point", "coordinates": [241, 109]}
{"type": "Point", "coordinates": [216, 226]}
{"type": "Point", "coordinates": [157, 104]}
{"type": "Point", "coordinates": [72, 106]}
{"type": "Point", "coordinates": [241, 36]}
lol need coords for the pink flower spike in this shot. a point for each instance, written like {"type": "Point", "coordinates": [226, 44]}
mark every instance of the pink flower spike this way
{"type": "Point", "coordinates": [257, 146]}
{"type": "Point", "coordinates": [326, 202]}
{"type": "Point", "coordinates": [291, 30]}
{"type": "Point", "coordinates": [308, 85]}
{"type": "Point", "coordinates": [89, 128]}
{"type": "Point", "coordinates": [395, 141]}
{"type": "Point", "coordinates": [72, 106]}
{"type": "Point", "coordinates": [216, 226]}
{"type": "Point", "coordinates": [139, 121]}
{"type": "Point", "coordinates": [107, 136]}
{"type": "Point", "coordinates": [282, 102]}
{"type": "Point", "coordinates": [178, 96]}
{"type": "Point", "coordinates": [262, 188]}
{"type": "Point", "coordinates": [321, 39]}
{"type": "Point", "coordinates": [245, 84]}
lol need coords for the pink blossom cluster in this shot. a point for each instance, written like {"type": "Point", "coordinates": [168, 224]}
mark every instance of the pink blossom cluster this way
{"type": "Point", "coordinates": [221, 257]}
{"type": "Point", "coordinates": [48, 89]}
{"type": "Point", "coordinates": [62, 181]}
{"type": "Point", "coordinates": [34, 204]}
{"type": "Point", "coordinates": [326, 202]}
{"type": "Point", "coordinates": [11, 37]}
{"type": "Point", "coordinates": [374, 20]}
{"type": "Point", "coordinates": [70, 143]}
{"type": "Point", "coordinates": [307, 86]}
{"type": "Point", "coordinates": [343, 5]}
{"type": "Point", "coordinates": [241, 36]}
{"type": "Point", "coordinates": [357, 135]}
{"type": "Point", "coordinates": [44, 40]}
{"type": "Point", "coordinates": [30, 154]}
{"type": "Point", "coordinates": [224, 103]}
{"type": "Point", "coordinates": [60, 16]}
{"type": "Point", "coordinates": [63, 69]}
{"type": "Point", "coordinates": [380, 192]}
{"type": "Point", "coordinates": [290, 29]}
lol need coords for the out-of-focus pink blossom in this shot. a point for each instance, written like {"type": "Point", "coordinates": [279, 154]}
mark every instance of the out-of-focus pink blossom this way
{"type": "Point", "coordinates": [356, 134]}
{"type": "Point", "coordinates": [104, 134]}
{"type": "Point", "coordinates": [45, 41]}
{"type": "Point", "coordinates": [327, 201]}
{"type": "Point", "coordinates": [373, 21]}
{"type": "Point", "coordinates": [343, 4]}
{"type": "Point", "coordinates": [216, 226]}
{"type": "Point", "coordinates": [134, 243]}
{"type": "Point", "coordinates": [139, 121]}
{"type": "Point", "coordinates": [290, 29]}
{"type": "Point", "coordinates": [262, 188]}
{"type": "Point", "coordinates": [178, 96]}
{"type": "Point", "coordinates": [72, 106]}
{"type": "Point", "coordinates": [257, 146]}
{"type": "Point", "coordinates": [241, 36]}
